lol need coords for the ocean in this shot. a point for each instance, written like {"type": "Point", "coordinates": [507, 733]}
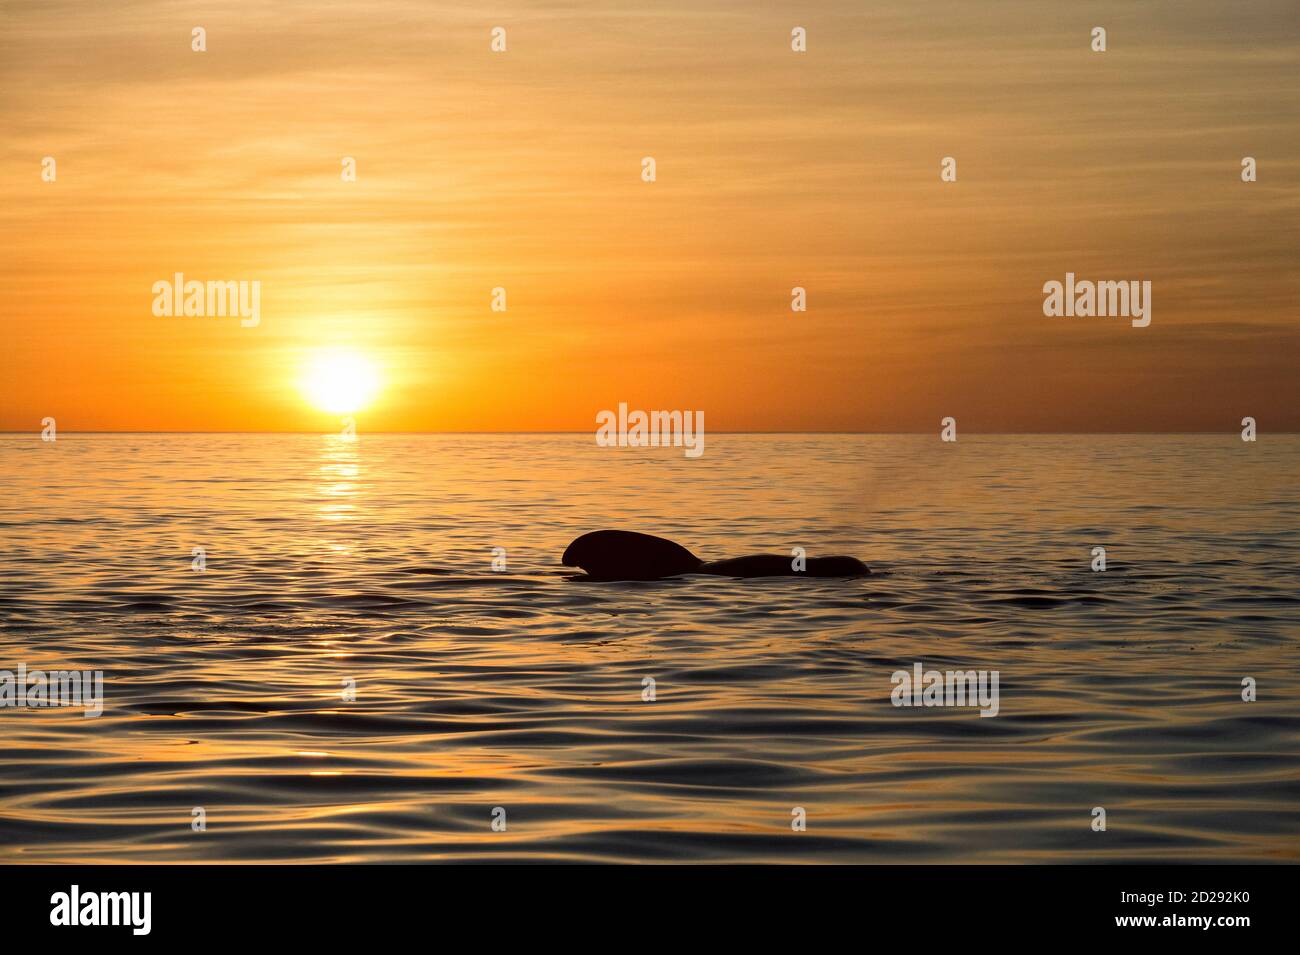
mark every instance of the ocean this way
{"type": "Point", "coordinates": [316, 649]}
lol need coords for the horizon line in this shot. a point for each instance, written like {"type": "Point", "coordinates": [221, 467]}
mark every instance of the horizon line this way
{"type": "Point", "coordinates": [589, 432]}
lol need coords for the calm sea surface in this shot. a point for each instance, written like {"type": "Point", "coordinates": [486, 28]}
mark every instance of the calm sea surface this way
{"type": "Point", "coordinates": [370, 561]}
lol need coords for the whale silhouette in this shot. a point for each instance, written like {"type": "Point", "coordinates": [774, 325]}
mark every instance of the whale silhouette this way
{"type": "Point", "coordinates": [629, 555]}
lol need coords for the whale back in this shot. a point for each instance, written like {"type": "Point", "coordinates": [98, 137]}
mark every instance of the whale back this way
{"type": "Point", "coordinates": [627, 555]}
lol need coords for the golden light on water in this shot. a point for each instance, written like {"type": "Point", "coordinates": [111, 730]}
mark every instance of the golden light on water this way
{"type": "Point", "coordinates": [340, 382]}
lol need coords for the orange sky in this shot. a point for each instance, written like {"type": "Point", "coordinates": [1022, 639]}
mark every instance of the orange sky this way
{"type": "Point", "coordinates": [775, 169]}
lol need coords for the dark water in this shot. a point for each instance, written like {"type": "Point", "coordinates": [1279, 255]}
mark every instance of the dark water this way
{"type": "Point", "coordinates": [371, 561]}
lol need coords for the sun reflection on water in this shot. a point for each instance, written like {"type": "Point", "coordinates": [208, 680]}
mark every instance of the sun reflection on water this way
{"type": "Point", "coordinates": [339, 479]}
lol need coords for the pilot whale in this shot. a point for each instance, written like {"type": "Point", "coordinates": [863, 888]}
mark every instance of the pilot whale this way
{"type": "Point", "coordinates": [628, 555]}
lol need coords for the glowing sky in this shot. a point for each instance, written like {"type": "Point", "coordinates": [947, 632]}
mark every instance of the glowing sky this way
{"type": "Point", "coordinates": [522, 170]}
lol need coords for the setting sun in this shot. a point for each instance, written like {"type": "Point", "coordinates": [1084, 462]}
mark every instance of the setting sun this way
{"type": "Point", "coordinates": [340, 381]}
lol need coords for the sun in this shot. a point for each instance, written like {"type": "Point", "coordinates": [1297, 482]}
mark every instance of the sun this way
{"type": "Point", "coordinates": [340, 382]}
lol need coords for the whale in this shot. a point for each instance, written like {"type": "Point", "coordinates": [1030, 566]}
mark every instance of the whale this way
{"type": "Point", "coordinates": [630, 555]}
